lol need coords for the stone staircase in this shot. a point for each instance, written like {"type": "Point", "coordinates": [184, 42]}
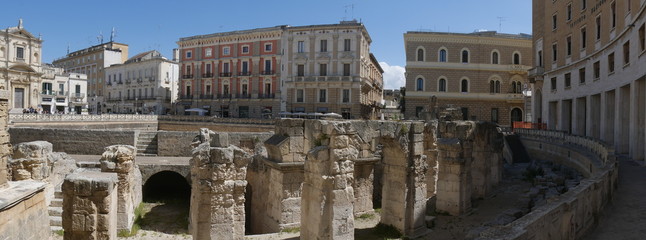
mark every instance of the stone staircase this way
{"type": "Point", "coordinates": [147, 144]}
{"type": "Point", "coordinates": [55, 210]}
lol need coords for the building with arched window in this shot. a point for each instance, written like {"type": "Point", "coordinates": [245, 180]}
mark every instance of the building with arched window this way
{"type": "Point", "coordinates": [481, 73]}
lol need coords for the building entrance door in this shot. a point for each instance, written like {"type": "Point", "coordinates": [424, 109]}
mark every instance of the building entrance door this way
{"type": "Point", "coordinates": [18, 98]}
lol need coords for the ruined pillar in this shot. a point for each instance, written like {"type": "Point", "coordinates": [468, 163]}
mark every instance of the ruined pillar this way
{"type": "Point", "coordinates": [327, 210]}
{"type": "Point", "coordinates": [218, 192]}
{"type": "Point", "coordinates": [30, 161]}
{"type": "Point", "coordinates": [90, 206]}
{"type": "Point", "coordinates": [120, 159]}
{"type": "Point", "coordinates": [5, 146]}
{"type": "Point", "coordinates": [454, 176]}
{"type": "Point", "coordinates": [404, 179]}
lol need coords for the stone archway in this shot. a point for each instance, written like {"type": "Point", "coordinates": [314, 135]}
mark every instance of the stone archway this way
{"type": "Point", "coordinates": [516, 115]}
{"type": "Point", "coordinates": [166, 185]}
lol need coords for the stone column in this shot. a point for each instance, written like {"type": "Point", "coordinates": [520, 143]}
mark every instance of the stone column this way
{"type": "Point", "coordinates": [5, 146]}
{"type": "Point", "coordinates": [328, 197]}
{"type": "Point", "coordinates": [454, 176]}
{"type": "Point", "coordinates": [218, 192]}
{"type": "Point", "coordinates": [90, 206]}
{"type": "Point", "coordinates": [120, 159]}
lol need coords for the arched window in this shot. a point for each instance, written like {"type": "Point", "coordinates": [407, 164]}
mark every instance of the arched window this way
{"type": "Point", "coordinates": [442, 55]}
{"type": "Point", "coordinates": [420, 84]}
{"type": "Point", "coordinates": [519, 88]}
{"type": "Point", "coordinates": [420, 55]}
{"type": "Point", "coordinates": [464, 86]}
{"type": "Point", "coordinates": [516, 58]}
{"type": "Point", "coordinates": [441, 85]}
{"type": "Point", "coordinates": [497, 86]}
{"type": "Point", "coordinates": [513, 87]}
{"type": "Point", "coordinates": [494, 86]}
{"type": "Point", "coordinates": [465, 56]}
{"type": "Point", "coordinates": [494, 58]}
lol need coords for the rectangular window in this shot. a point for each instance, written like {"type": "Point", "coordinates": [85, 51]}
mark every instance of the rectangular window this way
{"type": "Point", "coordinates": [268, 47]}
{"type": "Point", "coordinates": [584, 38]}
{"type": "Point", "coordinates": [596, 67]}
{"type": "Point", "coordinates": [245, 67]}
{"type": "Point", "coordinates": [494, 115]}
{"type": "Point", "coordinates": [598, 25]}
{"type": "Point", "coordinates": [642, 38]}
{"type": "Point", "coordinates": [225, 67]}
{"type": "Point", "coordinates": [583, 4]}
{"type": "Point", "coordinates": [627, 52]}
{"type": "Point", "coordinates": [346, 45]}
{"type": "Point", "coordinates": [323, 69]}
{"type": "Point", "coordinates": [581, 75]}
{"type": "Point", "coordinates": [267, 66]}
{"type": "Point", "coordinates": [346, 69]}
{"type": "Point", "coordinates": [20, 53]}
{"type": "Point", "coordinates": [188, 69]}
{"type": "Point", "coordinates": [323, 45]}
{"type": "Point", "coordinates": [299, 95]}
{"type": "Point", "coordinates": [569, 12]}
{"type": "Point", "coordinates": [189, 54]}
{"type": "Point", "coordinates": [208, 68]}
{"type": "Point", "coordinates": [301, 70]}
{"type": "Point", "coordinates": [553, 84]}
{"type": "Point", "coordinates": [568, 80]}
{"type": "Point", "coordinates": [568, 45]}
{"type": "Point", "coordinates": [226, 51]}
{"type": "Point", "coordinates": [301, 46]}
{"type": "Point", "coordinates": [611, 63]}
{"type": "Point", "coordinates": [245, 49]}
{"type": "Point", "coordinates": [346, 95]}
{"type": "Point", "coordinates": [553, 21]}
{"type": "Point", "coordinates": [322, 95]}
{"type": "Point", "coordinates": [208, 52]}
{"type": "Point", "coordinates": [554, 52]}
{"type": "Point", "coordinates": [613, 15]}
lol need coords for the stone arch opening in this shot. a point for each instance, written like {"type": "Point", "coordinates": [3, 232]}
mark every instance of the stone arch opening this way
{"type": "Point", "coordinates": [166, 185]}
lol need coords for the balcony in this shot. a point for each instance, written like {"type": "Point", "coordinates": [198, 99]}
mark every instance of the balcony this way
{"type": "Point", "coordinates": [265, 96]}
{"type": "Point", "coordinates": [535, 74]}
{"type": "Point", "coordinates": [267, 73]}
{"type": "Point", "coordinates": [206, 96]}
{"type": "Point", "coordinates": [48, 93]}
{"type": "Point", "coordinates": [207, 75]}
{"type": "Point", "coordinates": [187, 76]}
{"type": "Point", "coordinates": [225, 74]}
{"type": "Point", "coordinates": [120, 82]}
{"type": "Point", "coordinates": [61, 94]}
{"type": "Point", "coordinates": [243, 95]}
{"type": "Point", "coordinates": [223, 96]}
{"type": "Point", "coordinates": [244, 74]}
{"type": "Point", "coordinates": [109, 83]}
{"type": "Point", "coordinates": [186, 97]}
{"type": "Point", "coordinates": [78, 95]}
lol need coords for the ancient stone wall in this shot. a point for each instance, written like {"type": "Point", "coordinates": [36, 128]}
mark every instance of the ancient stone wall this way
{"type": "Point", "coordinates": [5, 146]}
{"type": "Point", "coordinates": [23, 211]}
{"type": "Point", "coordinates": [30, 160]}
{"type": "Point", "coordinates": [90, 206]}
{"type": "Point", "coordinates": [218, 190]}
{"type": "Point", "coordinates": [120, 159]}
{"type": "Point", "coordinates": [575, 212]}
{"type": "Point", "coordinates": [74, 141]}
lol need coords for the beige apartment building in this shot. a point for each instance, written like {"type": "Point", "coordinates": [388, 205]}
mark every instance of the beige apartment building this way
{"type": "Point", "coordinates": [231, 74]}
{"type": "Point", "coordinates": [20, 67]}
{"type": "Point", "coordinates": [92, 62]}
{"type": "Point", "coordinates": [329, 68]}
{"type": "Point", "coordinates": [482, 73]}
{"type": "Point", "coordinates": [589, 70]}
{"type": "Point", "coordinates": [262, 72]}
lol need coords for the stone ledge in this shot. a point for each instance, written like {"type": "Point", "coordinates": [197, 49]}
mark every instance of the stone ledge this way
{"type": "Point", "coordinates": [18, 191]}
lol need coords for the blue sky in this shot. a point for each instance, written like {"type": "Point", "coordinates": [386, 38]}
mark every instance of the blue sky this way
{"type": "Point", "coordinates": [148, 24]}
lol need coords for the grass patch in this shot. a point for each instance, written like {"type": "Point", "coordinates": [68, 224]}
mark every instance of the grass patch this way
{"type": "Point", "coordinates": [387, 231]}
{"type": "Point", "coordinates": [60, 232]}
{"type": "Point", "coordinates": [366, 216]}
{"type": "Point", "coordinates": [291, 230]}
{"type": "Point", "coordinates": [377, 210]}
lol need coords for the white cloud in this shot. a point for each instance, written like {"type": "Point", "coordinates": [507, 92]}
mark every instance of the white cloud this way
{"type": "Point", "coordinates": [394, 77]}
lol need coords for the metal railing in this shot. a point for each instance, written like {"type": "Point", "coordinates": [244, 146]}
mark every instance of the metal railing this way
{"type": "Point", "coordinates": [255, 121]}
{"type": "Point", "coordinates": [267, 73]}
{"type": "Point", "coordinates": [79, 117]}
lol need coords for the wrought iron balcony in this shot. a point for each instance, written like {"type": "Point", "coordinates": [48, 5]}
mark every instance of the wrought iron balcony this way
{"type": "Point", "coordinates": [243, 95]}
{"type": "Point", "coordinates": [186, 96]}
{"type": "Point", "coordinates": [187, 76]}
{"type": "Point", "coordinates": [207, 75]}
{"type": "Point", "coordinates": [225, 74]}
{"type": "Point", "coordinates": [244, 74]}
{"type": "Point", "coordinates": [206, 96]}
{"type": "Point", "coordinates": [267, 73]}
{"type": "Point", "coordinates": [270, 95]}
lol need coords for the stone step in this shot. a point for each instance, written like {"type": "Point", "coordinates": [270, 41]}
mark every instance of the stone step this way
{"type": "Point", "coordinates": [56, 203]}
{"type": "Point", "coordinates": [55, 221]}
{"type": "Point", "coordinates": [58, 194]}
{"type": "Point", "coordinates": [55, 211]}
{"type": "Point", "coordinates": [147, 154]}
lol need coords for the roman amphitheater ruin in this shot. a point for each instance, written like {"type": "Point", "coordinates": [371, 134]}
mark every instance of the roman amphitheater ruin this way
{"type": "Point", "coordinates": [317, 176]}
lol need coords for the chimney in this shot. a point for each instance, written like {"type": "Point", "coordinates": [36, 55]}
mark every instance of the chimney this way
{"type": "Point", "coordinates": [175, 55]}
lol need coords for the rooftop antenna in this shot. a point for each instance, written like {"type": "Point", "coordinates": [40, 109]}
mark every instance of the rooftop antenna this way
{"type": "Point", "coordinates": [68, 48]}
{"type": "Point", "coordinates": [351, 6]}
{"type": "Point", "coordinates": [113, 34]}
{"type": "Point", "coordinates": [100, 37]}
{"type": "Point", "coordinates": [500, 20]}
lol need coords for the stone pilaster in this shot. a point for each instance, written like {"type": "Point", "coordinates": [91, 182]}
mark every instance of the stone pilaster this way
{"type": "Point", "coordinates": [327, 203]}
{"type": "Point", "coordinates": [218, 192]}
{"type": "Point", "coordinates": [120, 159]}
{"type": "Point", "coordinates": [454, 176]}
{"type": "Point", "coordinates": [5, 146]}
{"type": "Point", "coordinates": [90, 206]}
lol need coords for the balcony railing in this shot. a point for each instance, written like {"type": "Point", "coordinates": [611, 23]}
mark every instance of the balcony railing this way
{"type": "Point", "coordinates": [224, 96]}
{"type": "Point", "coordinates": [207, 75]}
{"type": "Point", "coordinates": [78, 95]}
{"type": "Point", "coordinates": [187, 76]}
{"type": "Point", "coordinates": [186, 97]}
{"type": "Point", "coordinates": [270, 95]}
{"type": "Point", "coordinates": [243, 95]}
{"type": "Point", "coordinates": [61, 94]}
{"type": "Point", "coordinates": [267, 73]}
{"type": "Point", "coordinates": [206, 96]}
{"type": "Point", "coordinates": [244, 74]}
{"type": "Point", "coordinates": [225, 74]}
{"type": "Point", "coordinates": [48, 92]}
